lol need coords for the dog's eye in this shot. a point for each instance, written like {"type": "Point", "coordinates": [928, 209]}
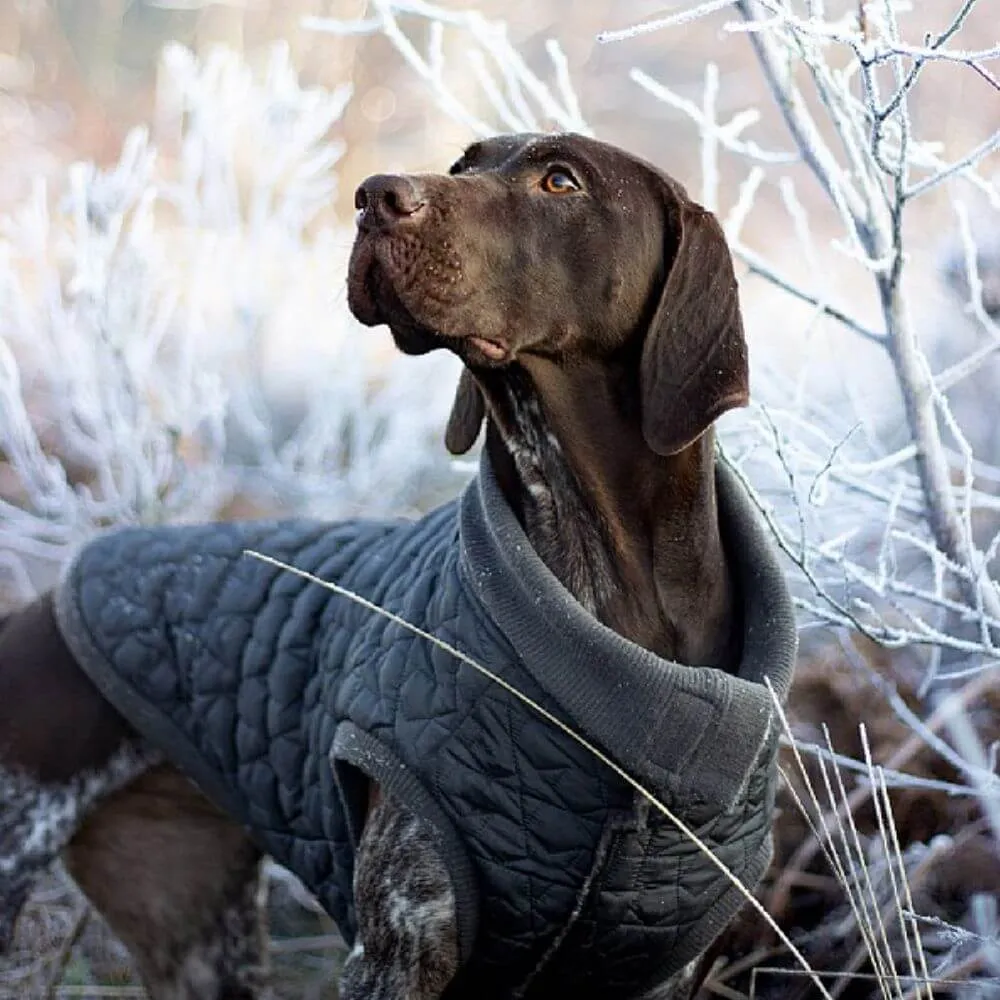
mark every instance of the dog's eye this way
{"type": "Point", "coordinates": [559, 181]}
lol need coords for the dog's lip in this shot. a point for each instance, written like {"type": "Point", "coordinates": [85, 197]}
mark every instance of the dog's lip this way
{"type": "Point", "coordinates": [361, 297]}
{"type": "Point", "coordinates": [374, 299]}
{"type": "Point", "coordinates": [493, 350]}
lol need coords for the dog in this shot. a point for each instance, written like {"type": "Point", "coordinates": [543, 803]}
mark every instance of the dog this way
{"type": "Point", "coordinates": [595, 309]}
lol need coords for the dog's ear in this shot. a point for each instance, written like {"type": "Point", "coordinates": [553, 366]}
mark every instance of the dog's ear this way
{"type": "Point", "coordinates": [467, 415]}
{"type": "Point", "coordinates": [694, 359]}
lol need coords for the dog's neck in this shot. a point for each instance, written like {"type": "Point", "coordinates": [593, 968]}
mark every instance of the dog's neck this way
{"type": "Point", "coordinates": [633, 535]}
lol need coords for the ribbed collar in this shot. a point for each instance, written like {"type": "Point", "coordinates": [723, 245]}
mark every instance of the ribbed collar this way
{"type": "Point", "coordinates": [695, 732]}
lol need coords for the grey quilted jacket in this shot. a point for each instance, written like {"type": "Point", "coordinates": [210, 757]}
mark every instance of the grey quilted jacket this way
{"type": "Point", "coordinates": [281, 699]}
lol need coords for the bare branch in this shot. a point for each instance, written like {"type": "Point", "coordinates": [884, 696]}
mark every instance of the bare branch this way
{"type": "Point", "coordinates": [685, 17]}
{"type": "Point", "coordinates": [757, 265]}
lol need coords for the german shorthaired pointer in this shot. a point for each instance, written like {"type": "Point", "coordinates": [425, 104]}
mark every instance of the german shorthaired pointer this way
{"type": "Point", "coordinates": [595, 309]}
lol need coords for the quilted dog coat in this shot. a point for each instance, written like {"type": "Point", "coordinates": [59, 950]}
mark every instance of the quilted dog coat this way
{"type": "Point", "coordinates": [281, 700]}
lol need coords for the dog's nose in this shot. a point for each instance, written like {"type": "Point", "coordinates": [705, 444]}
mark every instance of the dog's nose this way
{"type": "Point", "coordinates": [385, 200]}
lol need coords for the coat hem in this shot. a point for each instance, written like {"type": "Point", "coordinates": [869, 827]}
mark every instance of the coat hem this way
{"type": "Point", "coordinates": [150, 723]}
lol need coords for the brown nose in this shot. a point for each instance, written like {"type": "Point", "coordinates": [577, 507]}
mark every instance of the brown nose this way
{"type": "Point", "coordinates": [385, 200]}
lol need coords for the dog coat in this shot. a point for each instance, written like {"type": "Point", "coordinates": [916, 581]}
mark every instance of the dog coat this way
{"type": "Point", "coordinates": [281, 700]}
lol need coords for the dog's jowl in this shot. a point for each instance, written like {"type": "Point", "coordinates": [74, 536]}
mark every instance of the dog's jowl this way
{"type": "Point", "coordinates": [175, 708]}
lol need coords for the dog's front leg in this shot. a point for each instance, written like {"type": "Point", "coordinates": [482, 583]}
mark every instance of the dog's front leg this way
{"type": "Point", "coordinates": [407, 943]}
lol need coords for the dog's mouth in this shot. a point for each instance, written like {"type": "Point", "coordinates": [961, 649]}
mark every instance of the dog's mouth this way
{"type": "Point", "coordinates": [365, 283]}
{"type": "Point", "coordinates": [373, 298]}
{"type": "Point", "coordinates": [491, 350]}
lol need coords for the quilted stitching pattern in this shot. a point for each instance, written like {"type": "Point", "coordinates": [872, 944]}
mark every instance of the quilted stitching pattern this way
{"type": "Point", "coordinates": [652, 893]}
{"type": "Point", "coordinates": [256, 667]}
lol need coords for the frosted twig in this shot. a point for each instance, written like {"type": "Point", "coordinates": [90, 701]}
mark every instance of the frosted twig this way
{"type": "Point", "coordinates": [976, 155]}
{"type": "Point", "coordinates": [710, 140]}
{"type": "Point", "coordinates": [727, 136]}
{"type": "Point", "coordinates": [738, 214]}
{"type": "Point", "coordinates": [489, 43]}
{"type": "Point", "coordinates": [684, 17]}
{"type": "Point", "coordinates": [759, 266]}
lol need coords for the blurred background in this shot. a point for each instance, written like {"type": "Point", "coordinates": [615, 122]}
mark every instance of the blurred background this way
{"type": "Point", "coordinates": [76, 75]}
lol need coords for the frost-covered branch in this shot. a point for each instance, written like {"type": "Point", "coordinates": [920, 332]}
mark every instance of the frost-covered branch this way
{"type": "Point", "coordinates": [517, 99]}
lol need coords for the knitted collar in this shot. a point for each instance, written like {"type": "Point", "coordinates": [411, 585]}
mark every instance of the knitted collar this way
{"type": "Point", "coordinates": [697, 733]}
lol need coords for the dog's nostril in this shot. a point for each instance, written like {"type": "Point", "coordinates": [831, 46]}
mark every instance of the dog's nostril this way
{"type": "Point", "coordinates": [386, 199]}
{"type": "Point", "coordinates": [401, 197]}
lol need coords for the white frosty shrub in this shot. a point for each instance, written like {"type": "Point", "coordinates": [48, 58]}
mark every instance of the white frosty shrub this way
{"type": "Point", "coordinates": [175, 334]}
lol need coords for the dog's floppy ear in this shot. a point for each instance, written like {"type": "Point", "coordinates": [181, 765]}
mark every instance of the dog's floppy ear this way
{"type": "Point", "coordinates": [694, 359]}
{"type": "Point", "coordinates": [467, 415]}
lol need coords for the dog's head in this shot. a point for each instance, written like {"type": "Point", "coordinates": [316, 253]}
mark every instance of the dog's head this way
{"type": "Point", "coordinates": [564, 247]}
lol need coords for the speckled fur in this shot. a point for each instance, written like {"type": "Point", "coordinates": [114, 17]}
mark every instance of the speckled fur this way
{"type": "Point", "coordinates": [37, 821]}
{"type": "Point", "coordinates": [407, 943]}
{"type": "Point", "coordinates": [178, 882]}
{"type": "Point", "coordinates": [564, 531]}
{"type": "Point", "coordinates": [190, 919]}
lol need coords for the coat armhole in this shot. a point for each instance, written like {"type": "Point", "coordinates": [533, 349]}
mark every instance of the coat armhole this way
{"type": "Point", "coordinates": [357, 758]}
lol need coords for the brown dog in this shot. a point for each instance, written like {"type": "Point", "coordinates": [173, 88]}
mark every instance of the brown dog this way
{"type": "Point", "coordinates": [595, 309]}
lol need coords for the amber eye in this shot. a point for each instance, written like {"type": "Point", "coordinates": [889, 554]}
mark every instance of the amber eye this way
{"type": "Point", "coordinates": [559, 182]}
